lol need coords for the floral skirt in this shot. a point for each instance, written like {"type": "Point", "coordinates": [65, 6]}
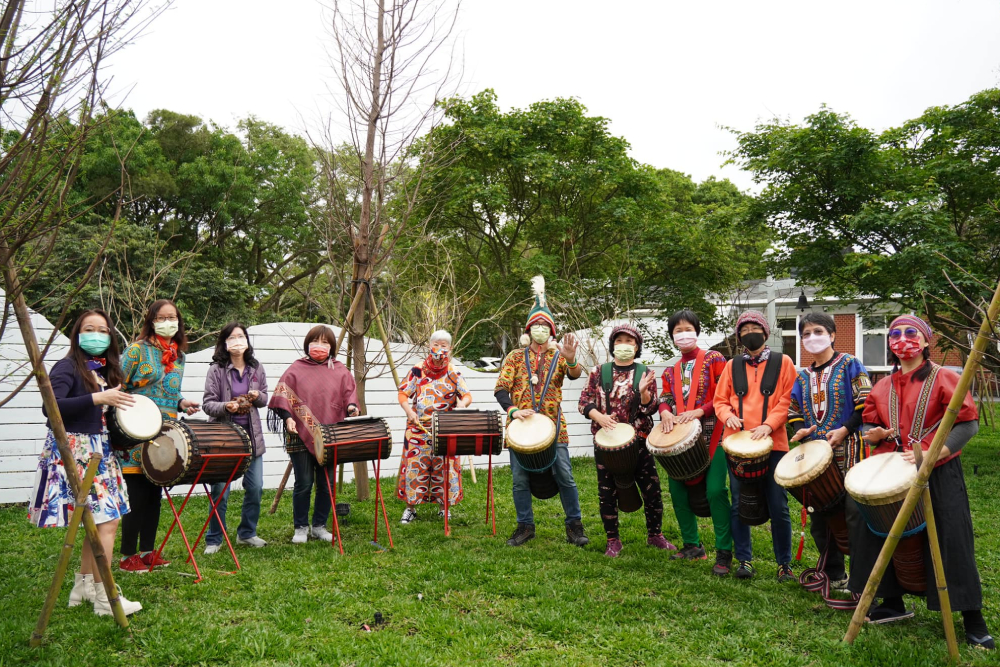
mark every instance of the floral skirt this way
{"type": "Point", "coordinates": [421, 474]}
{"type": "Point", "coordinates": [51, 496]}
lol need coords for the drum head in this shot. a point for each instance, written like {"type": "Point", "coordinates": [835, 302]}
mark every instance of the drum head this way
{"type": "Point", "coordinates": [620, 436]}
{"type": "Point", "coordinates": [741, 446]}
{"type": "Point", "coordinates": [880, 479]}
{"type": "Point", "coordinates": [169, 450]}
{"type": "Point", "coordinates": [141, 421]}
{"type": "Point", "coordinates": [803, 464]}
{"type": "Point", "coordinates": [534, 434]}
{"type": "Point", "coordinates": [680, 438]}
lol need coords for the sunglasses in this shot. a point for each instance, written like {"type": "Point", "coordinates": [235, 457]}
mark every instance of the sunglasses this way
{"type": "Point", "coordinates": [908, 332]}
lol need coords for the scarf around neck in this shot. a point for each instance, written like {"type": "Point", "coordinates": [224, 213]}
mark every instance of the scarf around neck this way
{"type": "Point", "coordinates": [169, 350]}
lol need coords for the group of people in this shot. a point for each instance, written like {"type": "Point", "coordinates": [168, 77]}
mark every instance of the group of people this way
{"type": "Point", "coordinates": [759, 391]}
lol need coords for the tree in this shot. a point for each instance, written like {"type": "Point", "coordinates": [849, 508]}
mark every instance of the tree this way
{"type": "Point", "coordinates": [887, 215]}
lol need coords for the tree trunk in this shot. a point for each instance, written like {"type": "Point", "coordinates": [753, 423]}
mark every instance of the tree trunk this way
{"type": "Point", "coordinates": [353, 344]}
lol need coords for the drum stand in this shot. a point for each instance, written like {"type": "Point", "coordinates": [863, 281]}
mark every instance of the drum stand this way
{"type": "Point", "coordinates": [215, 512]}
{"type": "Point", "coordinates": [379, 499]}
{"type": "Point", "coordinates": [452, 439]}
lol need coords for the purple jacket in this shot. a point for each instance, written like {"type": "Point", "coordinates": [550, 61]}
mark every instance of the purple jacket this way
{"type": "Point", "coordinates": [218, 392]}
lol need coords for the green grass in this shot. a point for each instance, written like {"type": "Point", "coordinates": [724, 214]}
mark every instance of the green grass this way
{"type": "Point", "coordinates": [470, 599]}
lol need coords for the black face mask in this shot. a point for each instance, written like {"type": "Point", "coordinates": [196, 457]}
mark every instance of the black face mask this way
{"type": "Point", "coordinates": [753, 341]}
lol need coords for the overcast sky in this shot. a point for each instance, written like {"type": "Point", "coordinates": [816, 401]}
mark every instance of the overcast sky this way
{"type": "Point", "coordinates": [667, 74]}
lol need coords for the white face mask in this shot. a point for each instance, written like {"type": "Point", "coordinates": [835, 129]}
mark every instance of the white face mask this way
{"type": "Point", "coordinates": [166, 329]}
{"type": "Point", "coordinates": [816, 344]}
{"type": "Point", "coordinates": [624, 352]}
{"type": "Point", "coordinates": [238, 345]}
{"type": "Point", "coordinates": [540, 333]}
{"type": "Point", "coordinates": [685, 340]}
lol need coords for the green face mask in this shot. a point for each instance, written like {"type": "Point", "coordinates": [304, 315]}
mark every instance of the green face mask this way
{"type": "Point", "coordinates": [624, 352]}
{"type": "Point", "coordinates": [540, 333]}
{"type": "Point", "coordinates": [94, 343]}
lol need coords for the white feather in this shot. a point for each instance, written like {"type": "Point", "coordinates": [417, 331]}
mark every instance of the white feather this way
{"type": "Point", "coordinates": [538, 286]}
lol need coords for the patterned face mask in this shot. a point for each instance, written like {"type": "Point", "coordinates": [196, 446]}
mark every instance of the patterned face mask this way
{"type": "Point", "coordinates": [624, 352]}
{"type": "Point", "coordinates": [905, 348]}
{"type": "Point", "coordinates": [440, 353]}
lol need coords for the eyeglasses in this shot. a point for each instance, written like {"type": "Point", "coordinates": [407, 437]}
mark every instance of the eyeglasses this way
{"type": "Point", "coordinates": [161, 320]}
{"type": "Point", "coordinates": [233, 339]}
{"type": "Point", "coordinates": [908, 332]}
{"type": "Point", "coordinates": [91, 329]}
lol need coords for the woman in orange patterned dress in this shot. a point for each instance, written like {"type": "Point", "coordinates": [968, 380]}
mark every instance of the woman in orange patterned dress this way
{"type": "Point", "coordinates": [432, 385]}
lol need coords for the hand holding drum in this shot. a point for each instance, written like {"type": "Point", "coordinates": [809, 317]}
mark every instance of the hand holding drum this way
{"type": "Point", "coordinates": [523, 414]}
{"type": "Point", "coordinates": [115, 398]}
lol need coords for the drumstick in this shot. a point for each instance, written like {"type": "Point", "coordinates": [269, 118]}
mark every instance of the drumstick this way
{"type": "Point", "coordinates": [281, 488]}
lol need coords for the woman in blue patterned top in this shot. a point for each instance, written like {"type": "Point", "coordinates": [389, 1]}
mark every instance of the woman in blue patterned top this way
{"type": "Point", "coordinates": [153, 366]}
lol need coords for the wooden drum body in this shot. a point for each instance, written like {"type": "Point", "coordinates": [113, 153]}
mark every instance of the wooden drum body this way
{"type": "Point", "coordinates": [355, 439]}
{"type": "Point", "coordinates": [683, 453]}
{"type": "Point", "coordinates": [749, 460]}
{"type": "Point", "coordinates": [176, 455]}
{"type": "Point", "coordinates": [293, 443]}
{"type": "Point", "coordinates": [128, 427]}
{"type": "Point", "coordinates": [879, 485]}
{"type": "Point", "coordinates": [466, 433]}
{"type": "Point", "coordinates": [618, 451]}
{"type": "Point", "coordinates": [532, 443]}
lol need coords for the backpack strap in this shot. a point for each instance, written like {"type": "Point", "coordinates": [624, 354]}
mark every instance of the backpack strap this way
{"type": "Point", "coordinates": [607, 373]}
{"type": "Point", "coordinates": [769, 382]}
{"type": "Point", "coordinates": [740, 384]}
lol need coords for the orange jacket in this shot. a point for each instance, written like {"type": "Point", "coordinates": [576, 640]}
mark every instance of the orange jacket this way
{"type": "Point", "coordinates": [727, 404]}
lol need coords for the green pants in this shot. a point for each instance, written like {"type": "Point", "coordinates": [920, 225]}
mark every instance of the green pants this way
{"type": "Point", "coordinates": [718, 501]}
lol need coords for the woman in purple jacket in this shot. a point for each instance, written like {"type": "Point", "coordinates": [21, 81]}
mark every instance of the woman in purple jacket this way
{"type": "Point", "coordinates": [234, 372]}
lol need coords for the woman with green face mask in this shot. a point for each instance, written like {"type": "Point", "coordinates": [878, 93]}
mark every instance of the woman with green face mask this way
{"type": "Point", "coordinates": [86, 381]}
{"type": "Point", "coordinates": [153, 366]}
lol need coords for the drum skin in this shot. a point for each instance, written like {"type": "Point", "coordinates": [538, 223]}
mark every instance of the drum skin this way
{"type": "Point", "coordinates": [683, 453]}
{"type": "Point", "coordinates": [134, 425]}
{"type": "Point", "coordinates": [879, 485]}
{"type": "Point", "coordinates": [532, 441]}
{"type": "Point", "coordinates": [810, 475]}
{"type": "Point", "coordinates": [748, 459]}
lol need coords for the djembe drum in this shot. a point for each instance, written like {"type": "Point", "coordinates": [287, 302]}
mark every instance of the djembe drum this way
{"type": "Point", "coordinates": [810, 474]}
{"type": "Point", "coordinates": [683, 454]}
{"type": "Point", "coordinates": [618, 451]}
{"type": "Point", "coordinates": [532, 442]}
{"type": "Point", "coordinates": [749, 461]}
{"type": "Point", "coordinates": [178, 453]}
{"type": "Point", "coordinates": [134, 425]}
{"type": "Point", "coordinates": [879, 485]}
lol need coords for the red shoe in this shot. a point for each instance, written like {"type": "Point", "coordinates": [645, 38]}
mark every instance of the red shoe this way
{"type": "Point", "coordinates": [614, 547]}
{"type": "Point", "coordinates": [153, 558]}
{"type": "Point", "coordinates": [133, 564]}
{"type": "Point", "coordinates": [660, 542]}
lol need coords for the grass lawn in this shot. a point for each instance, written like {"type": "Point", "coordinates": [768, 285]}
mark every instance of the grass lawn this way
{"type": "Point", "coordinates": [471, 599]}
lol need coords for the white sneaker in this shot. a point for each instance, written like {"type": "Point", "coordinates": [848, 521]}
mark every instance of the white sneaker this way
{"type": "Point", "coordinates": [212, 549]}
{"type": "Point", "coordinates": [301, 535]}
{"type": "Point", "coordinates": [102, 606]}
{"type": "Point", "coordinates": [441, 514]}
{"type": "Point", "coordinates": [252, 542]}
{"type": "Point", "coordinates": [83, 589]}
{"type": "Point", "coordinates": [409, 514]}
{"type": "Point", "coordinates": [321, 533]}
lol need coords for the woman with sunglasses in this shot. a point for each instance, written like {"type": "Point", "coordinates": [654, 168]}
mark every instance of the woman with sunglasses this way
{"type": "Point", "coordinates": [153, 366]}
{"type": "Point", "coordinates": [904, 410]}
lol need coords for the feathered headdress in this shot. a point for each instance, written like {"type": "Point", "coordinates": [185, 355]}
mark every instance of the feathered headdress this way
{"type": "Point", "coordinates": [539, 313]}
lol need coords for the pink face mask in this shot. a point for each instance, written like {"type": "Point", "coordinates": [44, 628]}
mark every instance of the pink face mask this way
{"type": "Point", "coordinates": [906, 348]}
{"type": "Point", "coordinates": [319, 352]}
{"type": "Point", "coordinates": [686, 340]}
{"type": "Point", "coordinates": [817, 343]}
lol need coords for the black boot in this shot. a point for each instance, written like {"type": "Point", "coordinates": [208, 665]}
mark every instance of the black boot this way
{"type": "Point", "coordinates": [523, 533]}
{"type": "Point", "coordinates": [574, 534]}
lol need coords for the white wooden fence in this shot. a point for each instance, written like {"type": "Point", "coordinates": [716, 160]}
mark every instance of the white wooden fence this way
{"type": "Point", "coordinates": [22, 425]}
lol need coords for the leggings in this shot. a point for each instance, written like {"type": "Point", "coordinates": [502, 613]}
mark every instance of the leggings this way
{"type": "Point", "coordinates": [649, 487]}
{"type": "Point", "coordinates": [140, 524]}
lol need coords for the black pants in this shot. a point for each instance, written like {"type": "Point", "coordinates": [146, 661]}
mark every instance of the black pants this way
{"type": "Point", "coordinates": [649, 488]}
{"type": "Point", "coordinates": [308, 475]}
{"type": "Point", "coordinates": [835, 568]}
{"type": "Point", "coordinates": [140, 524]}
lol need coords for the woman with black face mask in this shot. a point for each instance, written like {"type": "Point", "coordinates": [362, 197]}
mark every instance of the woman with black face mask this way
{"type": "Point", "coordinates": [763, 416]}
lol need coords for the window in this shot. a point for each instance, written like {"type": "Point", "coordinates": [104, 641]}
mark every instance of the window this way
{"type": "Point", "coordinates": [875, 330]}
{"type": "Point", "coordinates": [789, 338]}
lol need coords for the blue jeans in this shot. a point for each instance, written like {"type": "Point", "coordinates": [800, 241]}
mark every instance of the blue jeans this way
{"type": "Point", "coordinates": [562, 470]}
{"type": "Point", "coordinates": [253, 484]}
{"type": "Point", "coordinates": [305, 466]}
{"type": "Point", "coordinates": [777, 506]}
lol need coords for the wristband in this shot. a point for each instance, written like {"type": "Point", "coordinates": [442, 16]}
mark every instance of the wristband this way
{"type": "Point", "coordinates": [510, 412]}
{"type": "Point", "coordinates": [572, 365]}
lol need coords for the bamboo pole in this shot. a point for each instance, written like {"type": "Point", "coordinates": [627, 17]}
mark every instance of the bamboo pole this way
{"type": "Point", "coordinates": [924, 472]}
{"type": "Point", "coordinates": [69, 542]}
{"type": "Point", "coordinates": [62, 440]}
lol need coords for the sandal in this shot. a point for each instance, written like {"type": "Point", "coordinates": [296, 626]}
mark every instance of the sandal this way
{"type": "Point", "coordinates": [985, 642]}
{"type": "Point", "coordinates": [880, 615]}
